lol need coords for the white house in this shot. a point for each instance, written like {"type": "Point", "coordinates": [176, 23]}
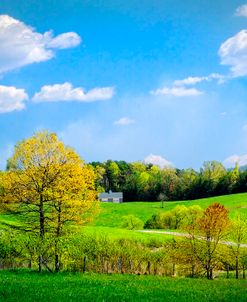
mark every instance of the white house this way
{"type": "Point", "coordinates": [116, 197]}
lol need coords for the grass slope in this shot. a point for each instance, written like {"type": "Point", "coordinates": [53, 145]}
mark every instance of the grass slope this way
{"type": "Point", "coordinates": [109, 220]}
{"type": "Point", "coordinates": [30, 286]}
{"type": "Point", "coordinates": [111, 214]}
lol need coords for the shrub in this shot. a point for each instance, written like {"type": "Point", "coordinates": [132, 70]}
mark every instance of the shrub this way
{"type": "Point", "coordinates": [131, 222]}
{"type": "Point", "coordinates": [177, 218]}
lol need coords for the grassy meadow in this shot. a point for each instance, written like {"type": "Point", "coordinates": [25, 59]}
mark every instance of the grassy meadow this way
{"type": "Point", "coordinates": [109, 219]}
{"type": "Point", "coordinates": [111, 214]}
{"type": "Point", "coordinates": [30, 286]}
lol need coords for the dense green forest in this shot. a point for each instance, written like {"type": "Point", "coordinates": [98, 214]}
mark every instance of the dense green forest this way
{"type": "Point", "coordinates": [146, 182]}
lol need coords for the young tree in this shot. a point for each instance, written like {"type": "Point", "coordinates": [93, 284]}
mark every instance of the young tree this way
{"type": "Point", "coordinates": [211, 227]}
{"type": "Point", "coordinates": [239, 236]}
{"type": "Point", "coordinates": [48, 186]}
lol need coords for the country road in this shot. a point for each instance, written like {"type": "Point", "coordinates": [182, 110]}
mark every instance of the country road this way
{"type": "Point", "coordinates": [187, 235]}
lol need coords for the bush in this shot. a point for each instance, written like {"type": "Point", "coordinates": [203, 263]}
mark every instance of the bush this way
{"type": "Point", "coordinates": [154, 222]}
{"type": "Point", "coordinates": [131, 222]}
{"type": "Point", "coordinates": [177, 218]}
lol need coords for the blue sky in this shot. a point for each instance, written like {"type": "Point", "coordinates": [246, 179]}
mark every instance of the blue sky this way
{"type": "Point", "coordinates": [127, 80]}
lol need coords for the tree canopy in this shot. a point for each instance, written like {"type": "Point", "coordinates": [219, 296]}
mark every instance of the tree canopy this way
{"type": "Point", "coordinates": [48, 186]}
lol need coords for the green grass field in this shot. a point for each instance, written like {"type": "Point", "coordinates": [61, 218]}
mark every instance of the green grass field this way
{"type": "Point", "coordinates": [25, 286]}
{"type": "Point", "coordinates": [30, 286]}
{"type": "Point", "coordinates": [111, 214]}
{"type": "Point", "coordinates": [109, 220]}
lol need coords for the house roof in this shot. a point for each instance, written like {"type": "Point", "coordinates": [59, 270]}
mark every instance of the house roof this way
{"type": "Point", "coordinates": [111, 195]}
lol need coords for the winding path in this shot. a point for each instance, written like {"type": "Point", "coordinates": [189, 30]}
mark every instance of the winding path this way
{"type": "Point", "coordinates": [187, 235]}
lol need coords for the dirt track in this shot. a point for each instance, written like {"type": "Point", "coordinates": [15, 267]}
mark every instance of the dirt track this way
{"type": "Point", "coordinates": [187, 235]}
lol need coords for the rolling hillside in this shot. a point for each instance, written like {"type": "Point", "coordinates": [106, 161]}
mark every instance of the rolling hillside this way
{"type": "Point", "coordinates": [109, 220]}
{"type": "Point", "coordinates": [111, 214]}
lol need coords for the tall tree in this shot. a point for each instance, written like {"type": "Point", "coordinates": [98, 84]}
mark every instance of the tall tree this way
{"type": "Point", "coordinates": [48, 186]}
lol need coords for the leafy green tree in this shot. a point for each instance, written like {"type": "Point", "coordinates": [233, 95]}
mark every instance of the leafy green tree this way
{"type": "Point", "coordinates": [113, 173]}
{"type": "Point", "coordinates": [239, 236]}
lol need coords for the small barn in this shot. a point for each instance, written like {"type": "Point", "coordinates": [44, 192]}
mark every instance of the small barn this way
{"type": "Point", "coordinates": [116, 197]}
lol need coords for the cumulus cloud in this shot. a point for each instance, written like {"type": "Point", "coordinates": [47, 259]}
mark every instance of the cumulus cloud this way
{"type": "Point", "coordinates": [241, 11]}
{"type": "Point", "coordinates": [233, 52]}
{"type": "Point", "coordinates": [181, 88]}
{"type": "Point", "coordinates": [124, 121]}
{"type": "Point", "coordinates": [231, 161]}
{"type": "Point", "coordinates": [21, 45]}
{"type": "Point", "coordinates": [190, 81]}
{"type": "Point", "coordinates": [66, 92]}
{"type": "Point", "coordinates": [158, 160]}
{"type": "Point", "coordinates": [65, 40]}
{"type": "Point", "coordinates": [177, 91]}
{"type": "Point", "coordinates": [12, 99]}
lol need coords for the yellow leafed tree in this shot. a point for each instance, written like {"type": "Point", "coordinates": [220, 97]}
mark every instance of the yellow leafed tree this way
{"type": "Point", "coordinates": [49, 187]}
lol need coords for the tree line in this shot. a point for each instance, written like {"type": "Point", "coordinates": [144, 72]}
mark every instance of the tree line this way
{"type": "Point", "coordinates": [146, 182]}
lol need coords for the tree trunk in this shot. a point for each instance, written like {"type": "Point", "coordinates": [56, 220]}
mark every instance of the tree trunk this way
{"type": "Point", "coordinates": [149, 267]}
{"type": "Point", "coordinates": [237, 268]}
{"type": "Point", "coordinates": [41, 227]}
{"type": "Point", "coordinates": [208, 271]}
{"type": "Point", "coordinates": [243, 271]}
{"type": "Point", "coordinates": [155, 269]}
{"type": "Point", "coordinates": [41, 217]}
{"type": "Point", "coordinates": [84, 264]}
{"type": "Point", "coordinates": [227, 271]}
{"type": "Point", "coordinates": [120, 265]}
{"type": "Point", "coordinates": [57, 266]}
{"type": "Point", "coordinates": [40, 263]}
{"type": "Point", "coordinates": [58, 232]}
{"type": "Point", "coordinates": [174, 270]}
{"type": "Point", "coordinates": [211, 273]}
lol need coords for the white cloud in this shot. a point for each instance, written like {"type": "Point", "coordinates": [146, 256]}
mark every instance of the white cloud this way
{"type": "Point", "coordinates": [66, 40]}
{"type": "Point", "coordinates": [66, 92]}
{"type": "Point", "coordinates": [180, 88]}
{"type": "Point", "coordinates": [158, 160]}
{"type": "Point", "coordinates": [12, 99]}
{"type": "Point", "coordinates": [177, 91]}
{"type": "Point", "coordinates": [190, 81]}
{"type": "Point", "coordinates": [241, 11]}
{"type": "Point", "coordinates": [233, 52]}
{"type": "Point", "coordinates": [232, 160]}
{"type": "Point", "coordinates": [22, 45]}
{"type": "Point", "coordinates": [124, 121]}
